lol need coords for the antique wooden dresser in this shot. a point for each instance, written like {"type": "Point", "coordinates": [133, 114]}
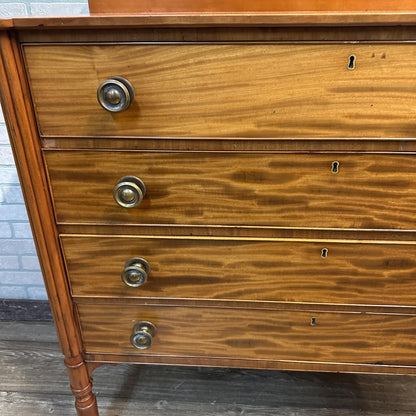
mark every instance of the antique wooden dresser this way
{"type": "Point", "coordinates": [222, 189]}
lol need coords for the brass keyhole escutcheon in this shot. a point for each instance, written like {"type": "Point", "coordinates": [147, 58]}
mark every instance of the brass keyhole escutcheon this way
{"type": "Point", "coordinates": [324, 253]}
{"type": "Point", "coordinates": [335, 167]}
{"type": "Point", "coordinates": [351, 62]}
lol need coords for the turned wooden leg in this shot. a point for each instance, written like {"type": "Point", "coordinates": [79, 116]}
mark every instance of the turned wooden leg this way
{"type": "Point", "coordinates": [81, 386]}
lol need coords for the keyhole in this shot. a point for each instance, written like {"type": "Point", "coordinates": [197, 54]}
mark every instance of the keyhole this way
{"type": "Point", "coordinates": [324, 253]}
{"type": "Point", "coordinates": [313, 321]}
{"type": "Point", "coordinates": [351, 62]}
{"type": "Point", "coordinates": [335, 167]}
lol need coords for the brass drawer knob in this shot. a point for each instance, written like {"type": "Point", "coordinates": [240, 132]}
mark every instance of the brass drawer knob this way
{"type": "Point", "coordinates": [129, 192]}
{"type": "Point", "coordinates": [142, 335]}
{"type": "Point", "coordinates": [135, 272]}
{"type": "Point", "coordinates": [116, 94]}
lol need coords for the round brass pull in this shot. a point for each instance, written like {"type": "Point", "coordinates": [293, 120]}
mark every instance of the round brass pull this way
{"type": "Point", "coordinates": [135, 272]}
{"type": "Point", "coordinates": [115, 95]}
{"type": "Point", "coordinates": [129, 192]}
{"type": "Point", "coordinates": [142, 335]}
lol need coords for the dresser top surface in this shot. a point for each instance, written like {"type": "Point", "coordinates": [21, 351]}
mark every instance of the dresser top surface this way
{"type": "Point", "coordinates": [237, 19]}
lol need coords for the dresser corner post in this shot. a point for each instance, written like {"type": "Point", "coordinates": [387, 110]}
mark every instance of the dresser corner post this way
{"type": "Point", "coordinates": [25, 143]}
{"type": "Point", "coordinates": [81, 386]}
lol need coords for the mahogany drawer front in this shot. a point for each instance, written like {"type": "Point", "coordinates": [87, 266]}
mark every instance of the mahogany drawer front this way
{"type": "Point", "coordinates": [253, 334]}
{"type": "Point", "coordinates": [227, 90]}
{"type": "Point", "coordinates": [208, 188]}
{"type": "Point", "coordinates": [250, 270]}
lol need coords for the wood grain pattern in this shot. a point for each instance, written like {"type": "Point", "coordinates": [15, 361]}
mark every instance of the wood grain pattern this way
{"type": "Point", "coordinates": [234, 145]}
{"type": "Point", "coordinates": [214, 20]}
{"type": "Point", "coordinates": [253, 334]}
{"type": "Point", "coordinates": [262, 305]}
{"type": "Point", "coordinates": [237, 269]}
{"type": "Point", "coordinates": [26, 349]}
{"type": "Point", "coordinates": [350, 234]}
{"type": "Point", "coordinates": [302, 366]}
{"type": "Point", "coordinates": [288, 190]}
{"type": "Point", "coordinates": [203, 80]}
{"type": "Point", "coordinates": [26, 149]}
{"type": "Point", "coordinates": [163, 6]}
{"type": "Point", "coordinates": [230, 33]}
{"type": "Point", "coordinates": [187, 90]}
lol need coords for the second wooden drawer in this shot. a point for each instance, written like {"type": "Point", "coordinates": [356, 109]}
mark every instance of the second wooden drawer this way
{"type": "Point", "coordinates": [212, 188]}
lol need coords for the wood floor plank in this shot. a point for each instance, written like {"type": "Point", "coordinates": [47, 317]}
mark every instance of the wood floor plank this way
{"type": "Point", "coordinates": [36, 404]}
{"type": "Point", "coordinates": [28, 331]}
{"type": "Point", "coordinates": [33, 381]}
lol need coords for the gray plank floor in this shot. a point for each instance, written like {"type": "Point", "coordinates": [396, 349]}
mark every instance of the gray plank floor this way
{"type": "Point", "coordinates": [33, 382]}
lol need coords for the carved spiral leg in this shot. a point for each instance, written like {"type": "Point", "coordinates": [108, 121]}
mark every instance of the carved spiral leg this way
{"type": "Point", "coordinates": [81, 386]}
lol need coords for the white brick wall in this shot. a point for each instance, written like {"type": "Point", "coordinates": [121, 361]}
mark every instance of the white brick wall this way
{"type": "Point", "coordinates": [18, 8]}
{"type": "Point", "coordinates": [20, 276]}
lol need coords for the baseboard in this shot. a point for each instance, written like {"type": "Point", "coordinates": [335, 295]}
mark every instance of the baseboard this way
{"type": "Point", "coordinates": [24, 310]}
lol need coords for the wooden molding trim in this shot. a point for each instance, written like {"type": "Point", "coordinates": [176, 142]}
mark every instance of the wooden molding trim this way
{"type": "Point", "coordinates": [214, 20]}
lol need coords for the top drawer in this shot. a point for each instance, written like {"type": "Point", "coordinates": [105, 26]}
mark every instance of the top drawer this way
{"type": "Point", "coordinates": [228, 90]}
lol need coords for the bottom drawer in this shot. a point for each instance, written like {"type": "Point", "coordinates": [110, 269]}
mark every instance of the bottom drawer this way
{"type": "Point", "coordinates": [281, 335]}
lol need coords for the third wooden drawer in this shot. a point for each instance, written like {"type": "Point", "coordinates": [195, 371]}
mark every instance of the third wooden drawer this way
{"type": "Point", "coordinates": [273, 270]}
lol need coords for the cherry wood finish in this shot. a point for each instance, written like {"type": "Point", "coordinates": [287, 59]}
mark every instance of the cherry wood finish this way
{"type": "Point", "coordinates": [240, 269]}
{"type": "Point", "coordinates": [26, 148]}
{"type": "Point", "coordinates": [167, 6]}
{"type": "Point", "coordinates": [215, 20]}
{"type": "Point", "coordinates": [293, 90]}
{"type": "Point", "coordinates": [288, 190]}
{"type": "Point", "coordinates": [263, 233]}
{"type": "Point", "coordinates": [240, 201]}
{"type": "Point", "coordinates": [253, 334]}
{"type": "Point", "coordinates": [328, 146]}
{"type": "Point", "coordinates": [185, 391]}
{"type": "Point", "coordinates": [237, 29]}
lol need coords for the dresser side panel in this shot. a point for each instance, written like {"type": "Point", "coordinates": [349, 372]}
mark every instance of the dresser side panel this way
{"type": "Point", "coordinates": [25, 143]}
